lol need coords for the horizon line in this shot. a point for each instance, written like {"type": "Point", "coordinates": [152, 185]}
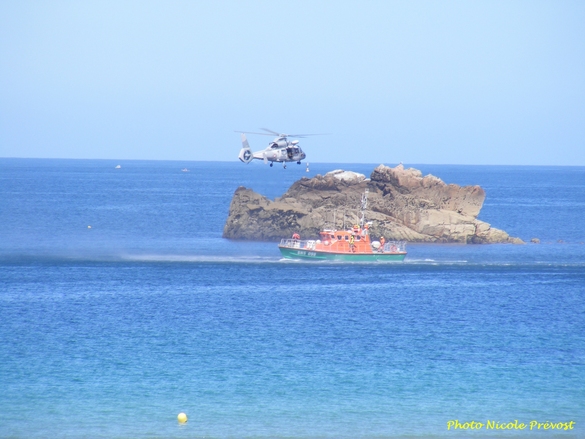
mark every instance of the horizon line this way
{"type": "Point", "coordinates": [260, 164]}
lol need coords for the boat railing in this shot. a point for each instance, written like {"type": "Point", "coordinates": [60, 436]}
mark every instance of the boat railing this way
{"type": "Point", "coordinates": [297, 243]}
{"type": "Point", "coordinates": [394, 247]}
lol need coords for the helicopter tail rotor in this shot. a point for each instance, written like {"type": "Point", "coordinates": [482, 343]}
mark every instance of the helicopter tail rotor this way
{"type": "Point", "coordinates": [246, 154]}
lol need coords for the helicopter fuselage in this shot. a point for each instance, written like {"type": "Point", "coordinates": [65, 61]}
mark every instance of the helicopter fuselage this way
{"type": "Point", "coordinates": [279, 150]}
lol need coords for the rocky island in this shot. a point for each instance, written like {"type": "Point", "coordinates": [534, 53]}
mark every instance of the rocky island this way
{"type": "Point", "coordinates": [402, 205]}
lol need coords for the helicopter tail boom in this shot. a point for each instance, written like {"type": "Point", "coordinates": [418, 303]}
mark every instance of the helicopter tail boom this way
{"type": "Point", "coordinates": [246, 154]}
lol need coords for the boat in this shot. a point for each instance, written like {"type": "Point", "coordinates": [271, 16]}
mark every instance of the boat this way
{"type": "Point", "coordinates": [350, 245]}
{"type": "Point", "coordinates": [338, 245]}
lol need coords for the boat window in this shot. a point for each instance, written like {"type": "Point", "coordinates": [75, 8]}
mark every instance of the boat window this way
{"type": "Point", "coordinates": [338, 236]}
{"type": "Point", "coordinates": [358, 237]}
{"type": "Point", "coordinates": [346, 238]}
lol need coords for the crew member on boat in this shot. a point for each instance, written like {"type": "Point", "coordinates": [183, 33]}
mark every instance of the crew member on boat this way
{"type": "Point", "coordinates": [382, 242]}
{"type": "Point", "coordinates": [296, 236]}
{"type": "Point", "coordinates": [365, 230]}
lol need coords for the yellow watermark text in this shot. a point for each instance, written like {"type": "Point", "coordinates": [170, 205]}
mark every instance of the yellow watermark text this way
{"type": "Point", "coordinates": [455, 424]}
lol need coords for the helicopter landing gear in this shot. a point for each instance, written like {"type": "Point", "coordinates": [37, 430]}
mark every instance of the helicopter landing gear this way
{"type": "Point", "coordinates": [299, 162]}
{"type": "Point", "coordinates": [271, 164]}
{"type": "Point", "coordinates": [284, 165]}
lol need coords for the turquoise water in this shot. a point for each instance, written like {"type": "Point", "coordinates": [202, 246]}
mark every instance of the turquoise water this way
{"type": "Point", "coordinates": [110, 332]}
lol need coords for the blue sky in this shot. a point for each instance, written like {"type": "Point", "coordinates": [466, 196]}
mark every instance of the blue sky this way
{"type": "Point", "coordinates": [452, 82]}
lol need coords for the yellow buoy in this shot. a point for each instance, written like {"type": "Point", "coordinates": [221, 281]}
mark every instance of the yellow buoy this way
{"type": "Point", "coordinates": [182, 418]}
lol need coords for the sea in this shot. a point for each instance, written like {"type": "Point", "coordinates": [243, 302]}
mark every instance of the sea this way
{"type": "Point", "coordinates": [121, 306]}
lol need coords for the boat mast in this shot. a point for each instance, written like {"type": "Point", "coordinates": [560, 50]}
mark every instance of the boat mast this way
{"type": "Point", "coordinates": [364, 205]}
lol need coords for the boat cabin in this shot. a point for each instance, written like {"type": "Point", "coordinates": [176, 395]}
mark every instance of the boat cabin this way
{"type": "Point", "coordinates": [356, 240]}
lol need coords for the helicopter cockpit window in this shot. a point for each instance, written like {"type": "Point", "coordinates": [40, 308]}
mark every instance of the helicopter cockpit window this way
{"type": "Point", "coordinates": [296, 150]}
{"type": "Point", "coordinates": [274, 145]}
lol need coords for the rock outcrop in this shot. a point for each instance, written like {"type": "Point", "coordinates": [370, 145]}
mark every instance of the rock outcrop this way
{"type": "Point", "coordinates": [402, 205]}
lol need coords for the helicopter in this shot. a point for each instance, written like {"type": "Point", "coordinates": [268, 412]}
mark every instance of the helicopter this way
{"type": "Point", "coordinates": [279, 150]}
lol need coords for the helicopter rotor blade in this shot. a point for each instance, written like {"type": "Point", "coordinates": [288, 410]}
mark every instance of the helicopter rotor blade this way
{"type": "Point", "coordinates": [293, 135]}
{"type": "Point", "coordinates": [273, 132]}
{"type": "Point", "coordinates": [306, 135]}
{"type": "Point", "coordinates": [251, 132]}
